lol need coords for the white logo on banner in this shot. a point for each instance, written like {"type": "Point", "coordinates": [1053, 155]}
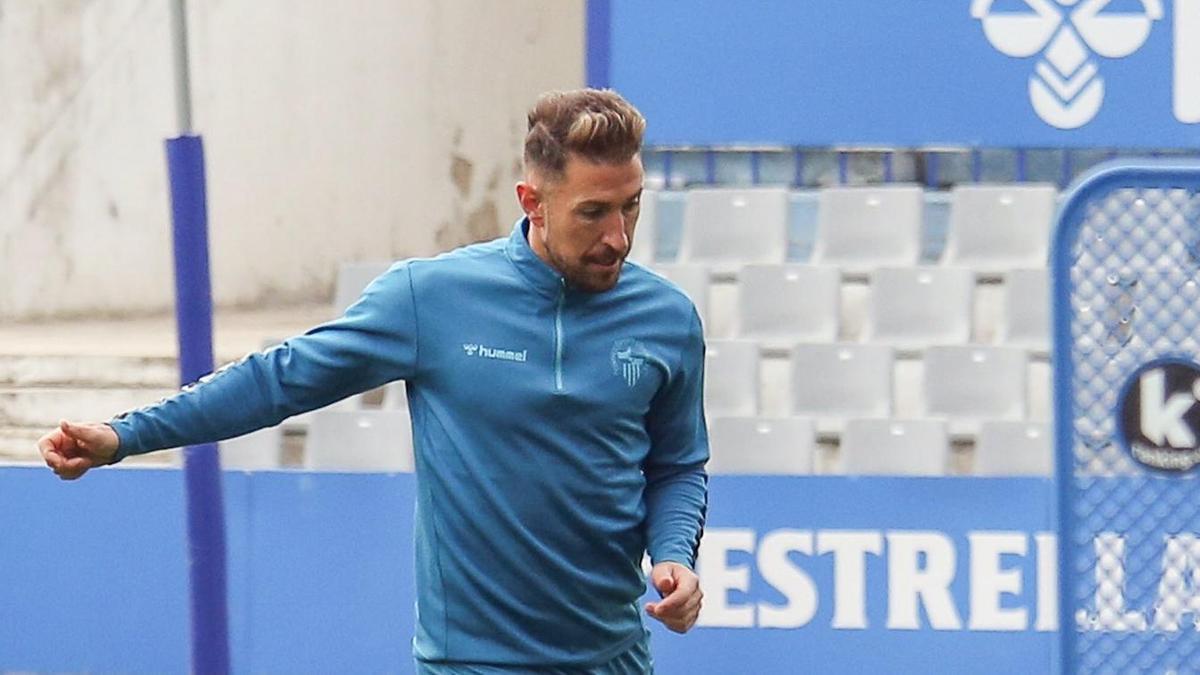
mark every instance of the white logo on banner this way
{"type": "Point", "coordinates": [1065, 88]}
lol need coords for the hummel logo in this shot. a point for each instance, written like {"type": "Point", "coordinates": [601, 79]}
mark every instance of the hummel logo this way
{"type": "Point", "coordinates": [484, 352]}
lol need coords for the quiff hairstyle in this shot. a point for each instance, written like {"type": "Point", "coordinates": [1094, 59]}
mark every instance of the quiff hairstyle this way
{"type": "Point", "coordinates": [596, 124]}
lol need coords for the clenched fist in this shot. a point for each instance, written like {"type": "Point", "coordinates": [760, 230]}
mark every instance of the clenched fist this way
{"type": "Point", "coordinates": [72, 449]}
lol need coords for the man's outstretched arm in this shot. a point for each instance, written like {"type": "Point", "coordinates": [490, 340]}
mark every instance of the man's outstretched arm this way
{"type": "Point", "coordinates": [373, 343]}
{"type": "Point", "coordinates": [677, 488]}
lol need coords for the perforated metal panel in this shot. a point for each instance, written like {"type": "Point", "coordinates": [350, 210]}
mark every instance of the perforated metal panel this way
{"type": "Point", "coordinates": [1126, 268]}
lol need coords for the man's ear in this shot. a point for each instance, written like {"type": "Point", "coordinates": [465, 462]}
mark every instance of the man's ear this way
{"type": "Point", "coordinates": [530, 199]}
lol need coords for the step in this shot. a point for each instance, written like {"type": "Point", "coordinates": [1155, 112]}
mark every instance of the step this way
{"type": "Point", "coordinates": [44, 406]}
{"type": "Point", "coordinates": [104, 372]}
{"type": "Point", "coordinates": [18, 445]}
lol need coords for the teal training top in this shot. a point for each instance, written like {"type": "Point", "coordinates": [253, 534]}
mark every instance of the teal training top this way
{"type": "Point", "coordinates": [558, 435]}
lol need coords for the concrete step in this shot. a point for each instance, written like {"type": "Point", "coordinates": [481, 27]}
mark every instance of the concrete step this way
{"type": "Point", "coordinates": [96, 372]}
{"type": "Point", "coordinates": [18, 445]}
{"type": "Point", "coordinates": [34, 407]}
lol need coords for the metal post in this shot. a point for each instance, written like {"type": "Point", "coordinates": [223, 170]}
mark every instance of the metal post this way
{"type": "Point", "coordinates": [193, 313]}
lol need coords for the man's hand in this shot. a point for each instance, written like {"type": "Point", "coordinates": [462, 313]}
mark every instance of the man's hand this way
{"type": "Point", "coordinates": [680, 591]}
{"type": "Point", "coordinates": [72, 449]}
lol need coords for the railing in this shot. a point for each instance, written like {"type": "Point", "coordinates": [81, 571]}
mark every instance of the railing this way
{"type": "Point", "coordinates": [936, 168]}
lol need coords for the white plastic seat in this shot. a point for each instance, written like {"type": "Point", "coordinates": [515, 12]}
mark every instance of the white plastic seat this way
{"type": "Point", "coordinates": [728, 227]}
{"type": "Point", "coordinates": [731, 378]}
{"type": "Point", "coordinates": [362, 440]}
{"type": "Point", "coordinates": [1008, 448]}
{"type": "Point", "coordinates": [833, 382]}
{"type": "Point", "coordinates": [970, 383]}
{"type": "Point", "coordinates": [894, 447]}
{"type": "Point", "coordinates": [692, 279]}
{"type": "Point", "coordinates": [395, 396]}
{"type": "Point", "coordinates": [913, 307]}
{"type": "Point", "coordinates": [783, 304]}
{"type": "Point", "coordinates": [262, 449]}
{"type": "Point", "coordinates": [861, 228]}
{"type": "Point", "coordinates": [1026, 320]}
{"type": "Point", "coordinates": [645, 235]}
{"type": "Point", "coordinates": [761, 445]}
{"type": "Point", "coordinates": [352, 279]}
{"type": "Point", "coordinates": [998, 227]}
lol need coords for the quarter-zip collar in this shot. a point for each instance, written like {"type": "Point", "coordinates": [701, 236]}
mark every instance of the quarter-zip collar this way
{"type": "Point", "coordinates": [544, 278]}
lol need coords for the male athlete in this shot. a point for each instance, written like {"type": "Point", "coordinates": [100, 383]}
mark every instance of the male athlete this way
{"type": "Point", "coordinates": [555, 392]}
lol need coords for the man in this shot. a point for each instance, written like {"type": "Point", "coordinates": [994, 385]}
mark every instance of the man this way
{"type": "Point", "coordinates": [556, 398]}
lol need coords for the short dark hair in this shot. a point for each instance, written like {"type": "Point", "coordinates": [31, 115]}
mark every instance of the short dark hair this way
{"type": "Point", "coordinates": [597, 124]}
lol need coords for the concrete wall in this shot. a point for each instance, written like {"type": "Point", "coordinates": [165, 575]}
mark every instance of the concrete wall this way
{"type": "Point", "coordinates": [366, 130]}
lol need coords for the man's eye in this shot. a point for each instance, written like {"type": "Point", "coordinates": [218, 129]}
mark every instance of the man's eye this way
{"type": "Point", "coordinates": [591, 213]}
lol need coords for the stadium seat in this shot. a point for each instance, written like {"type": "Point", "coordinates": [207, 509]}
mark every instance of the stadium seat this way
{"type": "Point", "coordinates": [998, 227]}
{"type": "Point", "coordinates": [913, 307]}
{"type": "Point", "coordinates": [262, 449]}
{"type": "Point", "coordinates": [783, 304]}
{"type": "Point", "coordinates": [731, 378]}
{"type": "Point", "coordinates": [645, 236]}
{"type": "Point", "coordinates": [861, 228]}
{"type": "Point", "coordinates": [969, 383]}
{"type": "Point", "coordinates": [1026, 320]}
{"type": "Point", "coordinates": [361, 440]}
{"type": "Point", "coordinates": [693, 280]}
{"type": "Point", "coordinates": [352, 279]}
{"type": "Point", "coordinates": [833, 382]}
{"type": "Point", "coordinates": [395, 396]}
{"type": "Point", "coordinates": [1008, 448]}
{"type": "Point", "coordinates": [894, 447]}
{"type": "Point", "coordinates": [727, 227]}
{"type": "Point", "coordinates": [761, 445]}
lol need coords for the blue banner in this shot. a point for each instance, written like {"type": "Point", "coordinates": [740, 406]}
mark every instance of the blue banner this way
{"type": "Point", "coordinates": [801, 574]}
{"type": "Point", "coordinates": [1034, 73]}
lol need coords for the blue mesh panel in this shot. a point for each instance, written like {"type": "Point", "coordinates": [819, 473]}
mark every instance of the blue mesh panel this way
{"type": "Point", "coordinates": [1126, 268]}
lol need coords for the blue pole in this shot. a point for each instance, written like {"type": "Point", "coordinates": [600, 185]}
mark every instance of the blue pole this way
{"type": "Point", "coordinates": [599, 42]}
{"type": "Point", "coordinates": [202, 469]}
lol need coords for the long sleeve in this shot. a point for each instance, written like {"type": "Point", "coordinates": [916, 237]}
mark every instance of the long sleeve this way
{"type": "Point", "coordinates": [676, 481]}
{"type": "Point", "coordinates": [373, 343]}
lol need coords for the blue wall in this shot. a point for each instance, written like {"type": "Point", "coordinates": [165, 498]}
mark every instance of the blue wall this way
{"type": "Point", "coordinates": [320, 574]}
{"type": "Point", "coordinates": [864, 72]}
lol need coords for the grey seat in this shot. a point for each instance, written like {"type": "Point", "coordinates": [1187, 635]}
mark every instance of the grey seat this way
{"type": "Point", "coordinates": [783, 304]}
{"type": "Point", "coordinates": [1012, 448]}
{"type": "Point", "coordinates": [761, 445]}
{"type": "Point", "coordinates": [894, 447]}
{"type": "Point", "coordinates": [836, 381]}
{"type": "Point", "coordinates": [862, 228]}
{"type": "Point", "coordinates": [998, 227]}
{"type": "Point", "coordinates": [914, 307]}
{"type": "Point", "coordinates": [726, 227]}
{"type": "Point", "coordinates": [359, 440]}
{"type": "Point", "coordinates": [731, 378]}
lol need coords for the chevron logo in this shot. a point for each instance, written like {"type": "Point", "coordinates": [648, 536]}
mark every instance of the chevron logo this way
{"type": "Point", "coordinates": [1065, 87]}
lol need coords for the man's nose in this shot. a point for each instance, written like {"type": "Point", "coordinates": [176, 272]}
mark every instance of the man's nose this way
{"type": "Point", "coordinates": [615, 234]}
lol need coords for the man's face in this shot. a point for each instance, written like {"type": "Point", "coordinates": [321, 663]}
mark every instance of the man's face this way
{"type": "Point", "coordinates": [582, 223]}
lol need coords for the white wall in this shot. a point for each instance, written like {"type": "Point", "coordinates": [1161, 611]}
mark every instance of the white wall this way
{"type": "Point", "coordinates": [361, 130]}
